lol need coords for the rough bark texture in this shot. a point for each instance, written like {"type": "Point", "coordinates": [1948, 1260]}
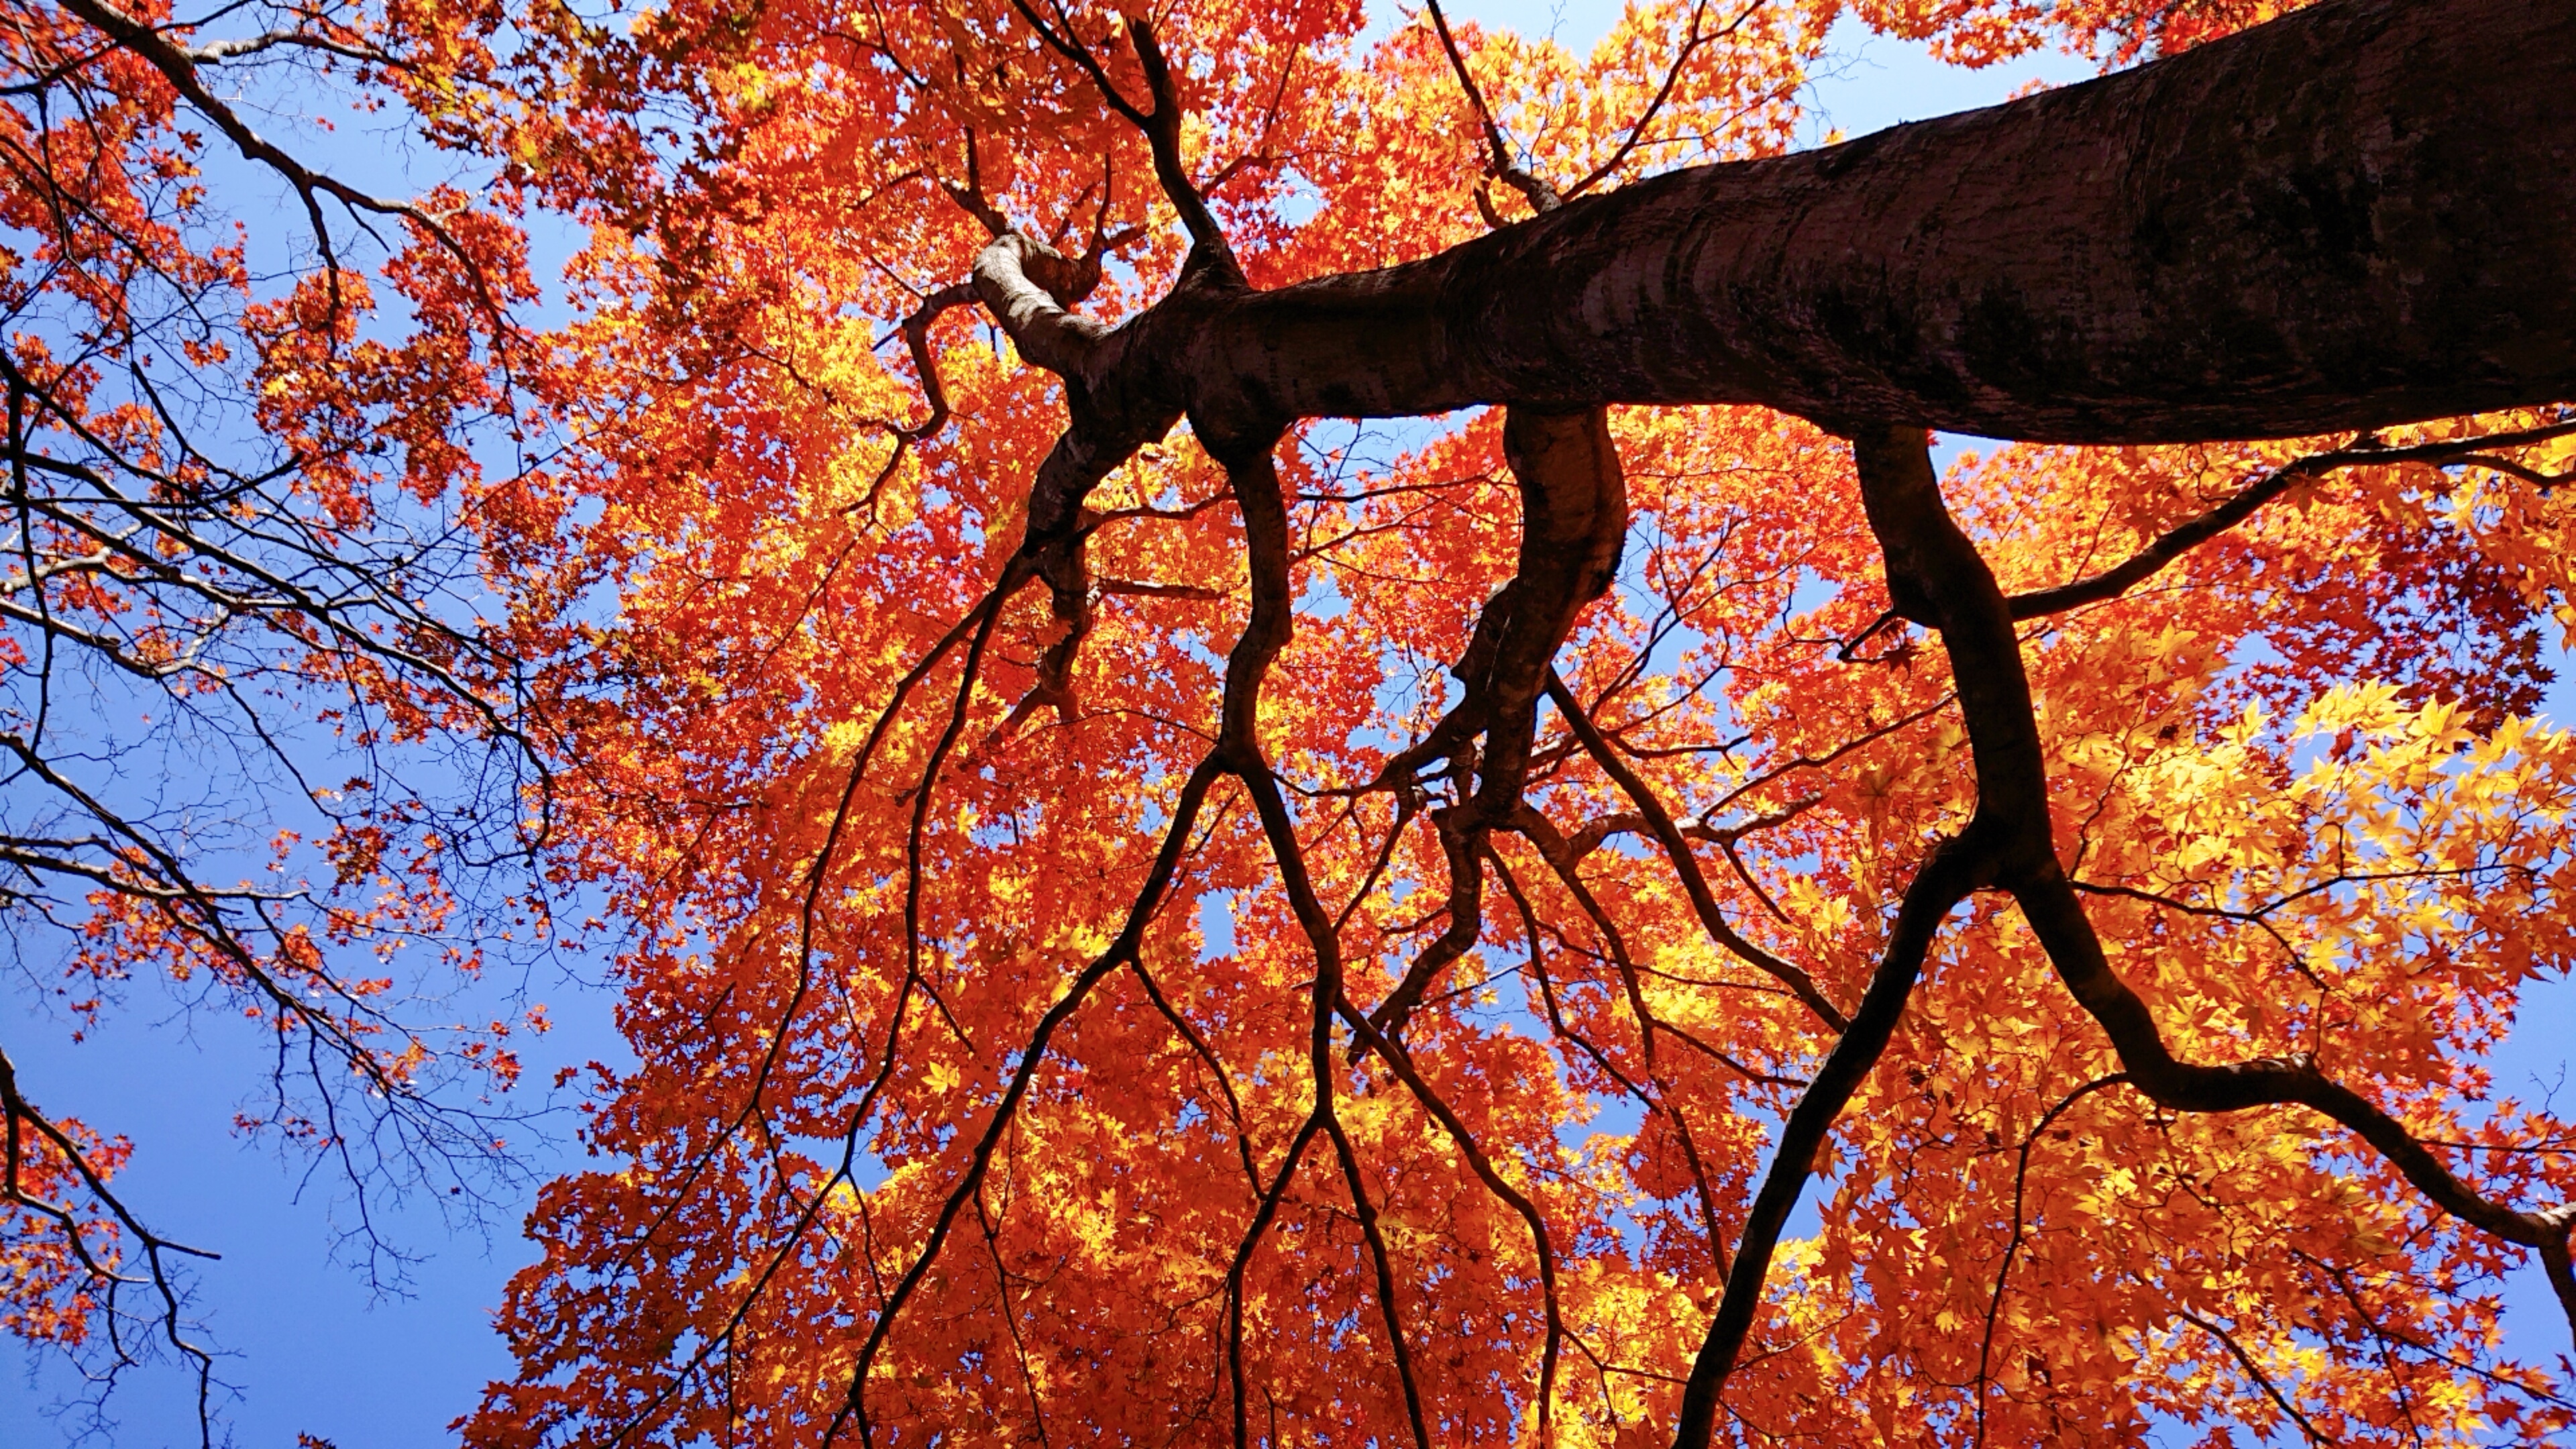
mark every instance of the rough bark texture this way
{"type": "Point", "coordinates": [2355, 216]}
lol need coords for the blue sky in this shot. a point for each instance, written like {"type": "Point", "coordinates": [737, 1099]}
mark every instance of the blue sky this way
{"type": "Point", "coordinates": [316, 1349]}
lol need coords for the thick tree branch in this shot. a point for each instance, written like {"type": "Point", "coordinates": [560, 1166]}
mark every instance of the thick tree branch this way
{"type": "Point", "coordinates": [2205, 247]}
{"type": "Point", "coordinates": [1011, 276]}
{"type": "Point", "coordinates": [1936, 574]}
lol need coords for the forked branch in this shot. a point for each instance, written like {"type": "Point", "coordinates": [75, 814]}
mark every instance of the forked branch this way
{"type": "Point", "coordinates": [2112, 582]}
{"type": "Point", "coordinates": [1937, 576]}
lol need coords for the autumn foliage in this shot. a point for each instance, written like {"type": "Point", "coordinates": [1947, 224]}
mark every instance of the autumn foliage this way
{"type": "Point", "coordinates": [1327, 959]}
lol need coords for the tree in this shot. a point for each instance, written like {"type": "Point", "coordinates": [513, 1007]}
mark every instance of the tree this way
{"type": "Point", "coordinates": [266, 749]}
{"type": "Point", "coordinates": [1161, 914]}
{"type": "Point", "coordinates": [1106, 983]}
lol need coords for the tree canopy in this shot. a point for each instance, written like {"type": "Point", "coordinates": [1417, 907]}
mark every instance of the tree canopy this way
{"type": "Point", "coordinates": [1154, 906]}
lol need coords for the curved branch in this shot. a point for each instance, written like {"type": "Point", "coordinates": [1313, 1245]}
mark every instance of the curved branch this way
{"type": "Point", "coordinates": [1007, 275]}
{"type": "Point", "coordinates": [1664, 93]}
{"type": "Point", "coordinates": [16, 1112]}
{"type": "Point", "coordinates": [2012, 1247]}
{"type": "Point", "coordinates": [1954, 868]}
{"type": "Point", "coordinates": [1686, 865]}
{"type": "Point", "coordinates": [1130, 940]}
{"type": "Point", "coordinates": [2058, 919]}
{"type": "Point", "coordinates": [2182, 538]}
{"type": "Point", "coordinates": [1400, 1061]}
{"type": "Point", "coordinates": [1935, 570]}
{"type": "Point", "coordinates": [2255, 1372]}
{"type": "Point", "coordinates": [1533, 188]}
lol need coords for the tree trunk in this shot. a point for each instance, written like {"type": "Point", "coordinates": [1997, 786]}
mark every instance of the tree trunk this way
{"type": "Point", "coordinates": [2359, 215]}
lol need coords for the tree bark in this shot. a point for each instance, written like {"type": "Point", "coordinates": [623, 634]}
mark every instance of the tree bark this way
{"type": "Point", "coordinates": [2359, 215]}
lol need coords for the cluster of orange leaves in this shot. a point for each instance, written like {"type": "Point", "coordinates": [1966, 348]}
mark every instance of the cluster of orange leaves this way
{"type": "Point", "coordinates": [47, 1239]}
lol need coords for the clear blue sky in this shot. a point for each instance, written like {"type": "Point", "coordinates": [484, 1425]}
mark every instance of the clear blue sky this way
{"type": "Point", "coordinates": [316, 1351]}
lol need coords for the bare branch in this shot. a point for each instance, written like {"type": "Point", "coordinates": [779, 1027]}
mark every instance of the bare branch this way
{"type": "Point", "coordinates": [2112, 582]}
